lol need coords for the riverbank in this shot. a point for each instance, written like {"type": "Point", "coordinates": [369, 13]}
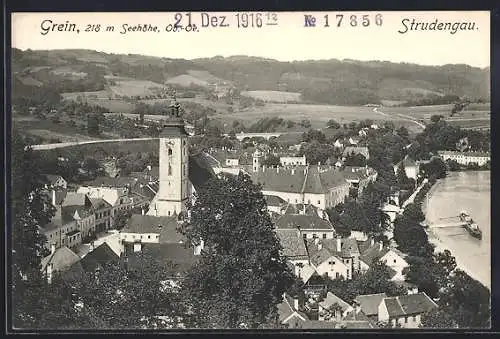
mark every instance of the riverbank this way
{"type": "Point", "coordinates": [442, 240]}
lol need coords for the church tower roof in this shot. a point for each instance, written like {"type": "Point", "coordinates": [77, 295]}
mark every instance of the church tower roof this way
{"type": "Point", "coordinates": [173, 125]}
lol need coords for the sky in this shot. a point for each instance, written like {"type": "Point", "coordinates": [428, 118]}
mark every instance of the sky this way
{"type": "Point", "coordinates": [287, 41]}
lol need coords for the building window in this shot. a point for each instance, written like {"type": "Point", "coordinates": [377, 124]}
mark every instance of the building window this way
{"type": "Point", "coordinates": [296, 201]}
{"type": "Point", "coordinates": [157, 236]}
{"type": "Point", "coordinates": [406, 320]}
{"type": "Point", "coordinates": [337, 275]}
{"type": "Point", "coordinates": [168, 213]}
{"type": "Point", "coordinates": [314, 236]}
{"type": "Point", "coordinates": [304, 236]}
{"type": "Point", "coordinates": [309, 201]}
{"type": "Point", "coordinates": [331, 263]}
{"type": "Point", "coordinates": [319, 202]}
{"type": "Point", "coordinates": [414, 318]}
{"type": "Point", "coordinates": [394, 260]}
{"type": "Point", "coordinates": [149, 237]}
{"type": "Point", "coordinates": [169, 169]}
{"type": "Point", "coordinates": [324, 235]}
{"type": "Point", "coordinates": [169, 151]}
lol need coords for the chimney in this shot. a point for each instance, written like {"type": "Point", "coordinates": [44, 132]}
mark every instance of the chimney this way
{"type": "Point", "coordinates": [52, 249]}
{"type": "Point", "coordinates": [149, 167]}
{"type": "Point", "coordinates": [53, 197]}
{"type": "Point", "coordinates": [91, 246]}
{"type": "Point", "coordinates": [339, 244]}
{"type": "Point", "coordinates": [137, 246]}
{"type": "Point", "coordinates": [277, 169]}
{"type": "Point", "coordinates": [372, 241]}
{"type": "Point", "coordinates": [380, 245]}
{"type": "Point", "coordinates": [142, 211]}
{"type": "Point", "coordinates": [320, 246]}
{"type": "Point", "coordinates": [296, 303]}
{"type": "Point", "coordinates": [293, 171]}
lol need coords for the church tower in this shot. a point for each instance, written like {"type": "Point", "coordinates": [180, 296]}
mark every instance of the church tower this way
{"type": "Point", "coordinates": [173, 192]}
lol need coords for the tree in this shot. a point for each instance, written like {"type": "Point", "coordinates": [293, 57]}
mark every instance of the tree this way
{"type": "Point", "coordinates": [121, 218]}
{"type": "Point", "coordinates": [402, 132]}
{"type": "Point", "coordinates": [31, 211]}
{"type": "Point", "coordinates": [305, 123]}
{"type": "Point", "coordinates": [436, 118]}
{"type": "Point", "coordinates": [437, 318]}
{"type": "Point", "coordinates": [313, 135]}
{"type": "Point", "coordinates": [241, 275]}
{"type": "Point", "coordinates": [377, 280]}
{"type": "Point", "coordinates": [271, 160]}
{"type": "Point", "coordinates": [467, 301]}
{"type": "Point", "coordinates": [131, 294]}
{"type": "Point", "coordinates": [332, 124]}
{"type": "Point", "coordinates": [93, 125]}
{"type": "Point", "coordinates": [357, 160]}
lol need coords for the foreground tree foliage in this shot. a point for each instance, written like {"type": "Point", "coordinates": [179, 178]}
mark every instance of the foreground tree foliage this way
{"type": "Point", "coordinates": [30, 211]}
{"type": "Point", "coordinates": [241, 275]}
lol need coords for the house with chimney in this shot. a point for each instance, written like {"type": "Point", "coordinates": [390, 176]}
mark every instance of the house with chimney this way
{"type": "Point", "coordinates": [330, 258]}
{"type": "Point", "coordinates": [332, 308]}
{"type": "Point", "coordinates": [78, 207]}
{"type": "Point", "coordinates": [310, 226]}
{"type": "Point", "coordinates": [359, 177]}
{"type": "Point", "coordinates": [405, 310]}
{"type": "Point", "coordinates": [289, 313]}
{"type": "Point", "coordinates": [366, 306]}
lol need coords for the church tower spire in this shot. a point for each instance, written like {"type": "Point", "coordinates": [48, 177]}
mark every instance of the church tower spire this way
{"type": "Point", "coordinates": [173, 193]}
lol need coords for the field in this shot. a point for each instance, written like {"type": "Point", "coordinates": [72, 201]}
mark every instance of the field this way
{"type": "Point", "coordinates": [112, 148]}
{"type": "Point", "coordinates": [273, 96]}
{"type": "Point", "coordinates": [49, 130]}
{"type": "Point", "coordinates": [317, 114]}
{"type": "Point", "coordinates": [135, 87]}
{"type": "Point", "coordinates": [473, 111]}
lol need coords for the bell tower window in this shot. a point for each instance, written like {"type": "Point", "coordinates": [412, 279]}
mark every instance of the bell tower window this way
{"type": "Point", "coordinates": [169, 169]}
{"type": "Point", "coordinates": [169, 151]}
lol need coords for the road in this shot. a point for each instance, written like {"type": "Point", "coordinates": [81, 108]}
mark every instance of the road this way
{"type": "Point", "coordinates": [74, 143]}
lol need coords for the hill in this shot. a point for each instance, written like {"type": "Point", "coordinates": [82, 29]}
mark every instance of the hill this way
{"type": "Point", "coordinates": [347, 82]}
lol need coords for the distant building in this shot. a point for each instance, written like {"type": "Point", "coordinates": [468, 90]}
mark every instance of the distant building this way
{"type": "Point", "coordinates": [311, 227]}
{"type": "Point", "coordinates": [322, 187]}
{"type": "Point", "coordinates": [466, 158]}
{"type": "Point", "coordinates": [59, 260]}
{"type": "Point", "coordinates": [293, 161]}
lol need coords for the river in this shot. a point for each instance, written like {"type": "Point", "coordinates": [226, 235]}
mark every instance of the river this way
{"type": "Point", "coordinates": [469, 191]}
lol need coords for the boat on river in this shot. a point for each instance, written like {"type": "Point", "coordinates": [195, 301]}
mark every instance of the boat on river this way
{"type": "Point", "coordinates": [470, 225]}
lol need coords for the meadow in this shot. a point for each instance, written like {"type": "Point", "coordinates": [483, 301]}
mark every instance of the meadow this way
{"type": "Point", "coordinates": [273, 96]}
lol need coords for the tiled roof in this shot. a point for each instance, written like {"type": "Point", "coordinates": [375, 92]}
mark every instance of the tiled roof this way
{"type": "Point", "coordinates": [332, 299]}
{"type": "Point", "coordinates": [355, 173]}
{"type": "Point", "coordinates": [280, 179]}
{"type": "Point", "coordinates": [373, 253]}
{"type": "Point", "coordinates": [99, 256]}
{"type": "Point", "coordinates": [62, 259]}
{"type": "Point", "coordinates": [293, 245]}
{"type": "Point", "coordinates": [68, 212]}
{"type": "Point", "coordinates": [124, 181]}
{"type": "Point", "coordinates": [99, 203]}
{"type": "Point", "coordinates": [74, 199]}
{"type": "Point", "coordinates": [178, 254]}
{"type": "Point", "coordinates": [273, 200]}
{"type": "Point", "coordinates": [409, 304]}
{"type": "Point", "coordinates": [369, 303]}
{"type": "Point", "coordinates": [348, 249]}
{"type": "Point", "coordinates": [317, 257]}
{"type": "Point", "coordinates": [141, 224]}
{"type": "Point", "coordinates": [305, 222]}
